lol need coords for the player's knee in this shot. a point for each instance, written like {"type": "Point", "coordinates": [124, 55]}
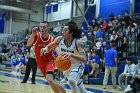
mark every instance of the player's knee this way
{"type": "Point", "coordinates": [50, 80]}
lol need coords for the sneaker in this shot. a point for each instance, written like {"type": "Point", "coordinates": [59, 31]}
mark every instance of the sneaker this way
{"type": "Point", "coordinates": [23, 82]}
{"type": "Point", "coordinates": [128, 88]}
{"type": "Point", "coordinates": [90, 92]}
{"type": "Point", "coordinates": [114, 87]}
{"type": "Point", "coordinates": [120, 88]}
{"type": "Point", "coordinates": [91, 73]}
{"type": "Point", "coordinates": [104, 87]}
{"type": "Point", "coordinates": [33, 83]}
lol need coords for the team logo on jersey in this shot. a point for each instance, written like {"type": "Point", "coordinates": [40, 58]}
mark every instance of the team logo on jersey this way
{"type": "Point", "coordinates": [65, 50]}
{"type": "Point", "coordinates": [41, 45]}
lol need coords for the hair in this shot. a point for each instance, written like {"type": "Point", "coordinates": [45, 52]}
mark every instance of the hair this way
{"type": "Point", "coordinates": [129, 59]}
{"type": "Point", "coordinates": [73, 28]}
{"type": "Point", "coordinates": [45, 23]}
{"type": "Point", "coordinates": [138, 58]}
{"type": "Point", "coordinates": [113, 44]}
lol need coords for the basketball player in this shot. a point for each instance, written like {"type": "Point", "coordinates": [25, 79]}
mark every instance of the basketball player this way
{"type": "Point", "coordinates": [44, 62]}
{"type": "Point", "coordinates": [69, 45]}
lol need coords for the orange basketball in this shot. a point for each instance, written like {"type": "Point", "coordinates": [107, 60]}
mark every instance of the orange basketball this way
{"type": "Point", "coordinates": [62, 63]}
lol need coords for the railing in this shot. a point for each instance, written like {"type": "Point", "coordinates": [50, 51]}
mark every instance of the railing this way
{"type": "Point", "coordinates": [7, 38]}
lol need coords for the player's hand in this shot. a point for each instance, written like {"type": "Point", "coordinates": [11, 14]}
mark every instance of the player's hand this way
{"type": "Point", "coordinates": [67, 55]}
{"type": "Point", "coordinates": [34, 30]}
{"type": "Point", "coordinates": [43, 51]}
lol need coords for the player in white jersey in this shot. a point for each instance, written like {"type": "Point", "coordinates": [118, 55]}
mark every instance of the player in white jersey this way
{"type": "Point", "coordinates": [70, 45]}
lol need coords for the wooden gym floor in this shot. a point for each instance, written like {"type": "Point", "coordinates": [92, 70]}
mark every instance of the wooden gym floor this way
{"type": "Point", "coordinates": [10, 83]}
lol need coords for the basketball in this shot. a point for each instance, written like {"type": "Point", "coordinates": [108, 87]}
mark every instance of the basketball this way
{"type": "Point", "coordinates": [62, 63]}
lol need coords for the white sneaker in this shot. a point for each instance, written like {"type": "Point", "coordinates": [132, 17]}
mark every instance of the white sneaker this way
{"type": "Point", "coordinates": [128, 88]}
{"type": "Point", "coordinates": [90, 92]}
{"type": "Point", "coordinates": [120, 88]}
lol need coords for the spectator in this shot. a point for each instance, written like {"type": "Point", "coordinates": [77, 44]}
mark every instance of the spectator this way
{"type": "Point", "coordinates": [100, 34]}
{"type": "Point", "coordinates": [127, 74]}
{"type": "Point", "coordinates": [114, 37]}
{"type": "Point", "coordinates": [122, 43]}
{"type": "Point", "coordinates": [111, 16]}
{"type": "Point", "coordinates": [105, 25]}
{"type": "Point", "coordinates": [103, 48]}
{"type": "Point", "coordinates": [14, 62]}
{"type": "Point", "coordinates": [127, 19]}
{"type": "Point", "coordinates": [20, 64]}
{"type": "Point", "coordinates": [90, 38]}
{"type": "Point", "coordinates": [134, 87]}
{"type": "Point", "coordinates": [84, 40]}
{"type": "Point", "coordinates": [94, 62]}
{"type": "Point", "coordinates": [0, 54]}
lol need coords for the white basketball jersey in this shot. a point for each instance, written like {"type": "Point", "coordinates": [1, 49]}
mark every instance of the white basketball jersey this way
{"type": "Point", "coordinates": [71, 49]}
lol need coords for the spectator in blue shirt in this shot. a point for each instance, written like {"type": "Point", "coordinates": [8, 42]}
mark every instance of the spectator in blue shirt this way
{"type": "Point", "coordinates": [110, 59]}
{"type": "Point", "coordinates": [100, 34]}
{"type": "Point", "coordinates": [94, 62]}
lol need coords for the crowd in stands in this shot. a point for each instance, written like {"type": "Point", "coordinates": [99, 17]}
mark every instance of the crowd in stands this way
{"type": "Point", "coordinates": [122, 30]}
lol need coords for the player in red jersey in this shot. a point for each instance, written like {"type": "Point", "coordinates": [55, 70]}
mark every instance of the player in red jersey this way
{"type": "Point", "coordinates": [44, 62]}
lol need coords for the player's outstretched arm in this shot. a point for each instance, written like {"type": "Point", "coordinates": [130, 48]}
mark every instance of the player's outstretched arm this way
{"type": "Point", "coordinates": [50, 46]}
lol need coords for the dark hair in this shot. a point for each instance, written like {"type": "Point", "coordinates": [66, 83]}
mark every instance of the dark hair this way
{"type": "Point", "coordinates": [47, 23]}
{"type": "Point", "coordinates": [113, 44]}
{"type": "Point", "coordinates": [74, 29]}
{"type": "Point", "coordinates": [138, 58]}
{"type": "Point", "coordinates": [129, 59]}
{"type": "Point", "coordinates": [44, 22]}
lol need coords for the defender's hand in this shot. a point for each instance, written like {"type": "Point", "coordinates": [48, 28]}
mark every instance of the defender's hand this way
{"type": "Point", "coordinates": [43, 51]}
{"type": "Point", "coordinates": [34, 30]}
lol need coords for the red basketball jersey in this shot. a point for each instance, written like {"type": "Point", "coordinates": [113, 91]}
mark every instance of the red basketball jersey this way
{"type": "Point", "coordinates": [40, 43]}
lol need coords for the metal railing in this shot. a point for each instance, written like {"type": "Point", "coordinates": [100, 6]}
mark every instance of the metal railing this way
{"type": "Point", "coordinates": [7, 38]}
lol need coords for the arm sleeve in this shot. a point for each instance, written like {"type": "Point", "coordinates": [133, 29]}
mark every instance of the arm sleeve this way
{"type": "Point", "coordinates": [125, 69]}
{"type": "Point", "coordinates": [115, 54]}
{"type": "Point", "coordinates": [133, 70]}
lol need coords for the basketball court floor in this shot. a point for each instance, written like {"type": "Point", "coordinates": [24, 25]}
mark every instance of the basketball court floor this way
{"type": "Point", "coordinates": [10, 83]}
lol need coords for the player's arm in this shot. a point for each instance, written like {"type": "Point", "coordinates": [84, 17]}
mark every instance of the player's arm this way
{"type": "Point", "coordinates": [82, 55]}
{"type": "Point", "coordinates": [53, 44]}
{"type": "Point", "coordinates": [31, 39]}
{"type": "Point", "coordinates": [50, 46]}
